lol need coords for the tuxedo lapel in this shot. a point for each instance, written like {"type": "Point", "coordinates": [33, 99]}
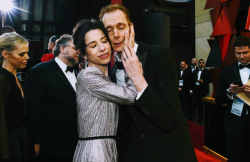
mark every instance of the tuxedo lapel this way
{"type": "Point", "coordinates": [58, 71]}
{"type": "Point", "coordinates": [142, 53]}
{"type": "Point", "coordinates": [112, 74]}
{"type": "Point", "coordinates": [236, 72]}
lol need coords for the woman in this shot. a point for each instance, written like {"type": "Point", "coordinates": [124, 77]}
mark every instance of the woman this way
{"type": "Point", "coordinates": [14, 143]}
{"type": "Point", "coordinates": [51, 45]}
{"type": "Point", "coordinates": [97, 97]}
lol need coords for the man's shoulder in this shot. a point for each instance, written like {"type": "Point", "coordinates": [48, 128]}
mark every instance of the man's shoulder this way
{"type": "Point", "coordinates": [229, 67]}
{"type": "Point", "coordinates": [43, 65]}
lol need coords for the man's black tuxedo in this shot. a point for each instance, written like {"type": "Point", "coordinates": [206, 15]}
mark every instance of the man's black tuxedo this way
{"type": "Point", "coordinates": [186, 77]}
{"type": "Point", "coordinates": [237, 128]}
{"type": "Point", "coordinates": [199, 91]}
{"type": "Point", "coordinates": [156, 127]}
{"type": "Point", "coordinates": [51, 102]}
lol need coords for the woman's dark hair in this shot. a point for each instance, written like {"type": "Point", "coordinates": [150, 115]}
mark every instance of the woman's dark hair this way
{"type": "Point", "coordinates": [242, 41]}
{"type": "Point", "coordinates": [80, 30]}
{"type": "Point", "coordinates": [54, 38]}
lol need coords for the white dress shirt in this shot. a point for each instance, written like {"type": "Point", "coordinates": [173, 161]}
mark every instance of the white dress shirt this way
{"type": "Point", "coordinates": [121, 74]}
{"type": "Point", "coordinates": [244, 74]}
{"type": "Point", "coordinates": [70, 76]}
{"type": "Point", "coordinates": [193, 68]}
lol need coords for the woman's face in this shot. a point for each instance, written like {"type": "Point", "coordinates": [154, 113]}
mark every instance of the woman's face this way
{"type": "Point", "coordinates": [98, 49]}
{"type": "Point", "coordinates": [51, 45]}
{"type": "Point", "coordinates": [18, 59]}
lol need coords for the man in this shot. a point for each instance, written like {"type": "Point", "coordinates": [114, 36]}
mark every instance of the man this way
{"type": "Point", "coordinates": [193, 64]}
{"type": "Point", "coordinates": [237, 125]}
{"type": "Point", "coordinates": [199, 88]}
{"type": "Point", "coordinates": [184, 77]}
{"type": "Point", "coordinates": [157, 130]}
{"type": "Point", "coordinates": [51, 101]}
{"type": "Point", "coordinates": [191, 69]}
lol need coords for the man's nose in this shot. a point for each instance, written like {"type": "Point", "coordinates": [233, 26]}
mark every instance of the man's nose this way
{"type": "Point", "coordinates": [116, 33]}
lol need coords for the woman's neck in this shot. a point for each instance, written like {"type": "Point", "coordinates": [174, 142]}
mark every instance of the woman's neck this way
{"type": "Point", "coordinates": [9, 68]}
{"type": "Point", "coordinates": [103, 68]}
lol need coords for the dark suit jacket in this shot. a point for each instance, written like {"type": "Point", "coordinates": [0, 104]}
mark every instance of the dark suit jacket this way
{"type": "Point", "coordinates": [233, 123]}
{"type": "Point", "coordinates": [51, 102]}
{"type": "Point", "coordinates": [158, 130]}
{"type": "Point", "coordinates": [186, 77]}
{"type": "Point", "coordinates": [203, 88]}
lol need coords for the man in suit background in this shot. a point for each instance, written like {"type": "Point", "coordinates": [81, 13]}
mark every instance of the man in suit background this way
{"type": "Point", "coordinates": [51, 102]}
{"type": "Point", "coordinates": [157, 130]}
{"type": "Point", "coordinates": [237, 125]}
{"type": "Point", "coordinates": [201, 78]}
{"type": "Point", "coordinates": [184, 77]}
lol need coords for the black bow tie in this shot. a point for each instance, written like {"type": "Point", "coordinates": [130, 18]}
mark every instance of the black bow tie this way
{"type": "Point", "coordinates": [200, 69]}
{"type": "Point", "coordinates": [241, 66]}
{"type": "Point", "coordinates": [70, 69]}
{"type": "Point", "coordinates": [119, 65]}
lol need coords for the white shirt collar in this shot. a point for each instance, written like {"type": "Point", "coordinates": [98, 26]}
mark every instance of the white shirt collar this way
{"type": "Point", "coordinates": [117, 57]}
{"type": "Point", "coordinates": [61, 64]}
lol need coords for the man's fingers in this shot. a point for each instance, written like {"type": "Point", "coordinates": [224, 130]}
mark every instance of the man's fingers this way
{"type": "Point", "coordinates": [126, 41]}
{"type": "Point", "coordinates": [132, 35]}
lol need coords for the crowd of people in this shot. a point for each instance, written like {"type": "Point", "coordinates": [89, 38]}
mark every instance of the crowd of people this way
{"type": "Point", "coordinates": [193, 86]}
{"type": "Point", "coordinates": [132, 112]}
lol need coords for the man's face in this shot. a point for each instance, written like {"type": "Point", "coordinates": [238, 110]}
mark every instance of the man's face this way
{"type": "Point", "coordinates": [242, 54]}
{"type": "Point", "coordinates": [116, 24]}
{"type": "Point", "coordinates": [71, 55]}
{"type": "Point", "coordinates": [201, 64]}
{"type": "Point", "coordinates": [182, 65]}
{"type": "Point", "coordinates": [194, 62]}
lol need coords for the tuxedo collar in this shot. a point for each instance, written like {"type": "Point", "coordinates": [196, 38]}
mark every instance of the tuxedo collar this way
{"type": "Point", "coordinates": [58, 71]}
{"type": "Point", "coordinates": [141, 53]}
{"type": "Point", "coordinates": [235, 68]}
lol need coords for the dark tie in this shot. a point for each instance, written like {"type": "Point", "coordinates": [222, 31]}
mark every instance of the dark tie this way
{"type": "Point", "coordinates": [70, 69]}
{"type": "Point", "coordinates": [241, 66]}
{"type": "Point", "coordinates": [119, 65]}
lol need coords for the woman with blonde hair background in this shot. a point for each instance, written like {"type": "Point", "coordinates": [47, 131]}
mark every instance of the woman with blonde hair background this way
{"type": "Point", "coordinates": [14, 141]}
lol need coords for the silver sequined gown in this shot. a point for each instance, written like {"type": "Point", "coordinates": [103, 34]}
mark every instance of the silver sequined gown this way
{"type": "Point", "coordinates": [97, 105]}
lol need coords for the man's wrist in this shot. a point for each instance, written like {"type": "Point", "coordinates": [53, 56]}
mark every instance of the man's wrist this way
{"type": "Point", "coordinates": [140, 84]}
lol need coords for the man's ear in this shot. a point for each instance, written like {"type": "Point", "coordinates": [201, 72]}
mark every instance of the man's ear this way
{"type": "Point", "coordinates": [5, 54]}
{"type": "Point", "coordinates": [62, 50]}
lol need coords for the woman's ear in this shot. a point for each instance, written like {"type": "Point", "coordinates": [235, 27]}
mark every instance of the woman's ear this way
{"type": "Point", "coordinates": [85, 57]}
{"type": "Point", "coordinates": [5, 54]}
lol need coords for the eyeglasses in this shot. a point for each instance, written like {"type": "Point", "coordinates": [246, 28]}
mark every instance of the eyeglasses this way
{"type": "Point", "coordinates": [74, 48]}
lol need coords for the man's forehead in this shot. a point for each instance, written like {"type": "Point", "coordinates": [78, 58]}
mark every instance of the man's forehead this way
{"type": "Point", "coordinates": [114, 18]}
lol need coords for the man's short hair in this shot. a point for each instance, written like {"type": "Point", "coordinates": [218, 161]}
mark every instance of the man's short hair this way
{"type": "Point", "coordinates": [63, 41]}
{"type": "Point", "coordinates": [242, 41]}
{"type": "Point", "coordinates": [113, 8]}
{"type": "Point", "coordinates": [183, 61]}
{"type": "Point", "coordinates": [200, 60]}
{"type": "Point", "coordinates": [6, 29]}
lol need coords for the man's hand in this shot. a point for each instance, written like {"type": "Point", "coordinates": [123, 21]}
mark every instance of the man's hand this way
{"type": "Point", "coordinates": [37, 148]}
{"type": "Point", "coordinates": [234, 89]}
{"type": "Point", "coordinates": [180, 89]}
{"type": "Point", "coordinates": [247, 90]}
{"type": "Point", "coordinates": [131, 35]}
{"type": "Point", "coordinates": [132, 65]}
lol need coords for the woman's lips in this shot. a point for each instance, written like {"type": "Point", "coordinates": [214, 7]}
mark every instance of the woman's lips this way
{"type": "Point", "coordinates": [104, 55]}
